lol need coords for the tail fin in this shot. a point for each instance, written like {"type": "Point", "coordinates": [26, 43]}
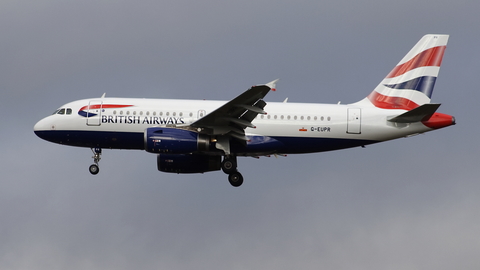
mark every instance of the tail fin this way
{"type": "Point", "coordinates": [410, 84]}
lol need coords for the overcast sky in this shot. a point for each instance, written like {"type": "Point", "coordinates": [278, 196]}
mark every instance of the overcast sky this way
{"type": "Point", "coordinates": [406, 204]}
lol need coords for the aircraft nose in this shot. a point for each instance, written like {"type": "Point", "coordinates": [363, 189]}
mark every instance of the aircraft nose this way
{"type": "Point", "coordinates": [42, 128]}
{"type": "Point", "coordinates": [41, 125]}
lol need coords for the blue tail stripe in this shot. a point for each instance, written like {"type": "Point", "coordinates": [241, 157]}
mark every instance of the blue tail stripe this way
{"type": "Point", "coordinates": [423, 84]}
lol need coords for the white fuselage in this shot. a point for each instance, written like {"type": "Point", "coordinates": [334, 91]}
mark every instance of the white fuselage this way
{"type": "Point", "coordinates": [302, 127]}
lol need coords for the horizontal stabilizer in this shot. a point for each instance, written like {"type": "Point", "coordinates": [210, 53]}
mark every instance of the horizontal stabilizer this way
{"type": "Point", "coordinates": [421, 113]}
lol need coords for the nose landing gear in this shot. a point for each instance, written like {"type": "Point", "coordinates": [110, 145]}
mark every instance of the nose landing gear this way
{"type": "Point", "coordinates": [94, 169]}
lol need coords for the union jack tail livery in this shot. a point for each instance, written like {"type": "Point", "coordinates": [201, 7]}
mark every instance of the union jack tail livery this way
{"type": "Point", "coordinates": [410, 84]}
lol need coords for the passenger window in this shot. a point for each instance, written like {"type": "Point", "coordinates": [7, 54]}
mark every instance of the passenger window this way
{"type": "Point", "coordinates": [69, 111]}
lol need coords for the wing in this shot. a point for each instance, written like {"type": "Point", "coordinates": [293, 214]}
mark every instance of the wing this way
{"type": "Point", "coordinates": [233, 117]}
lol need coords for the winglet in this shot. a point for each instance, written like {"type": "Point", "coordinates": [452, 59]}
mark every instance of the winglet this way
{"type": "Point", "coordinates": [272, 84]}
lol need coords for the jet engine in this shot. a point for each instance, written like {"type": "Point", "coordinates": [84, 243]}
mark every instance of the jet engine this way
{"type": "Point", "coordinates": [174, 141]}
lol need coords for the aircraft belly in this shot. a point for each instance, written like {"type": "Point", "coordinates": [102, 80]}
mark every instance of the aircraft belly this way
{"type": "Point", "coordinates": [101, 139]}
{"type": "Point", "coordinates": [295, 145]}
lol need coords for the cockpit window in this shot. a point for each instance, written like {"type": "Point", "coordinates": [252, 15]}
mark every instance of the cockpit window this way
{"type": "Point", "coordinates": [63, 111]}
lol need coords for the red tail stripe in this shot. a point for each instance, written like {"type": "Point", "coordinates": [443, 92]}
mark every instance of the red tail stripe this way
{"type": "Point", "coordinates": [428, 58]}
{"type": "Point", "coordinates": [386, 102]}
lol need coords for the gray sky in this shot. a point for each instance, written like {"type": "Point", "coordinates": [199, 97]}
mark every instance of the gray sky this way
{"type": "Point", "coordinates": [406, 204]}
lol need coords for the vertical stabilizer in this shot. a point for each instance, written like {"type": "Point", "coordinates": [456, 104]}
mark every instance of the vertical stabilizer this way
{"type": "Point", "coordinates": [410, 84]}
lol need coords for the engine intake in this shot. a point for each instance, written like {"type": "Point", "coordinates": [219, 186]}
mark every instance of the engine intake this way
{"type": "Point", "coordinates": [174, 141]}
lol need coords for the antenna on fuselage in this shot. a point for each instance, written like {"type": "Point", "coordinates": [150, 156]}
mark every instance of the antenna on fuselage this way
{"type": "Point", "coordinates": [103, 95]}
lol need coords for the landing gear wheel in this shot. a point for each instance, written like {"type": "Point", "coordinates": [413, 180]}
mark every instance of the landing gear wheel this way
{"type": "Point", "coordinates": [94, 169]}
{"type": "Point", "coordinates": [229, 165]}
{"type": "Point", "coordinates": [235, 179]}
{"type": "Point", "coordinates": [97, 152]}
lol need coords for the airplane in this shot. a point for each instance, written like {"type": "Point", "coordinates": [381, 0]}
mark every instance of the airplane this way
{"type": "Point", "coordinates": [198, 136]}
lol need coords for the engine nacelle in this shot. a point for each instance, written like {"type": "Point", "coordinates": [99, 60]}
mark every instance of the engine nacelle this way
{"type": "Point", "coordinates": [188, 163]}
{"type": "Point", "coordinates": [174, 141]}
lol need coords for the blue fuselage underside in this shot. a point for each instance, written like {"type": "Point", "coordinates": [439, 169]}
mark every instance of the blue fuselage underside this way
{"type": "Point", "coordinates": [135, 140]}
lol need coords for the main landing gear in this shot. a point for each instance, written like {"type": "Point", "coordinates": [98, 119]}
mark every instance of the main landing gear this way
{"type": "Point", "coordinates": [229, 166]}
{"type": "Point", "coordinates": [94, 169]}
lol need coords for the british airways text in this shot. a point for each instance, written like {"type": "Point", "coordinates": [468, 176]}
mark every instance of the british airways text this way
{"type": "Point", "coordinates": [149, 120]}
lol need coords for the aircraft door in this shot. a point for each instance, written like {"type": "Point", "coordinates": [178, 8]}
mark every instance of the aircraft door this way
{"type": "Point", "coordinates": [354, 120]}
{"type": "Point", "coordinates": [94, 113]}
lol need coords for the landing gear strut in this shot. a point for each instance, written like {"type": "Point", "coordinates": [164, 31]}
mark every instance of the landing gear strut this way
{"type": "Point", "coordinates": [229, 166]}
{"type": "Point", "coordinates": [94, 169]}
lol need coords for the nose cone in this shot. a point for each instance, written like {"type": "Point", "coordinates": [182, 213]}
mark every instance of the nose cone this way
{"type": "Point", "coordinates": [43, 128]}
